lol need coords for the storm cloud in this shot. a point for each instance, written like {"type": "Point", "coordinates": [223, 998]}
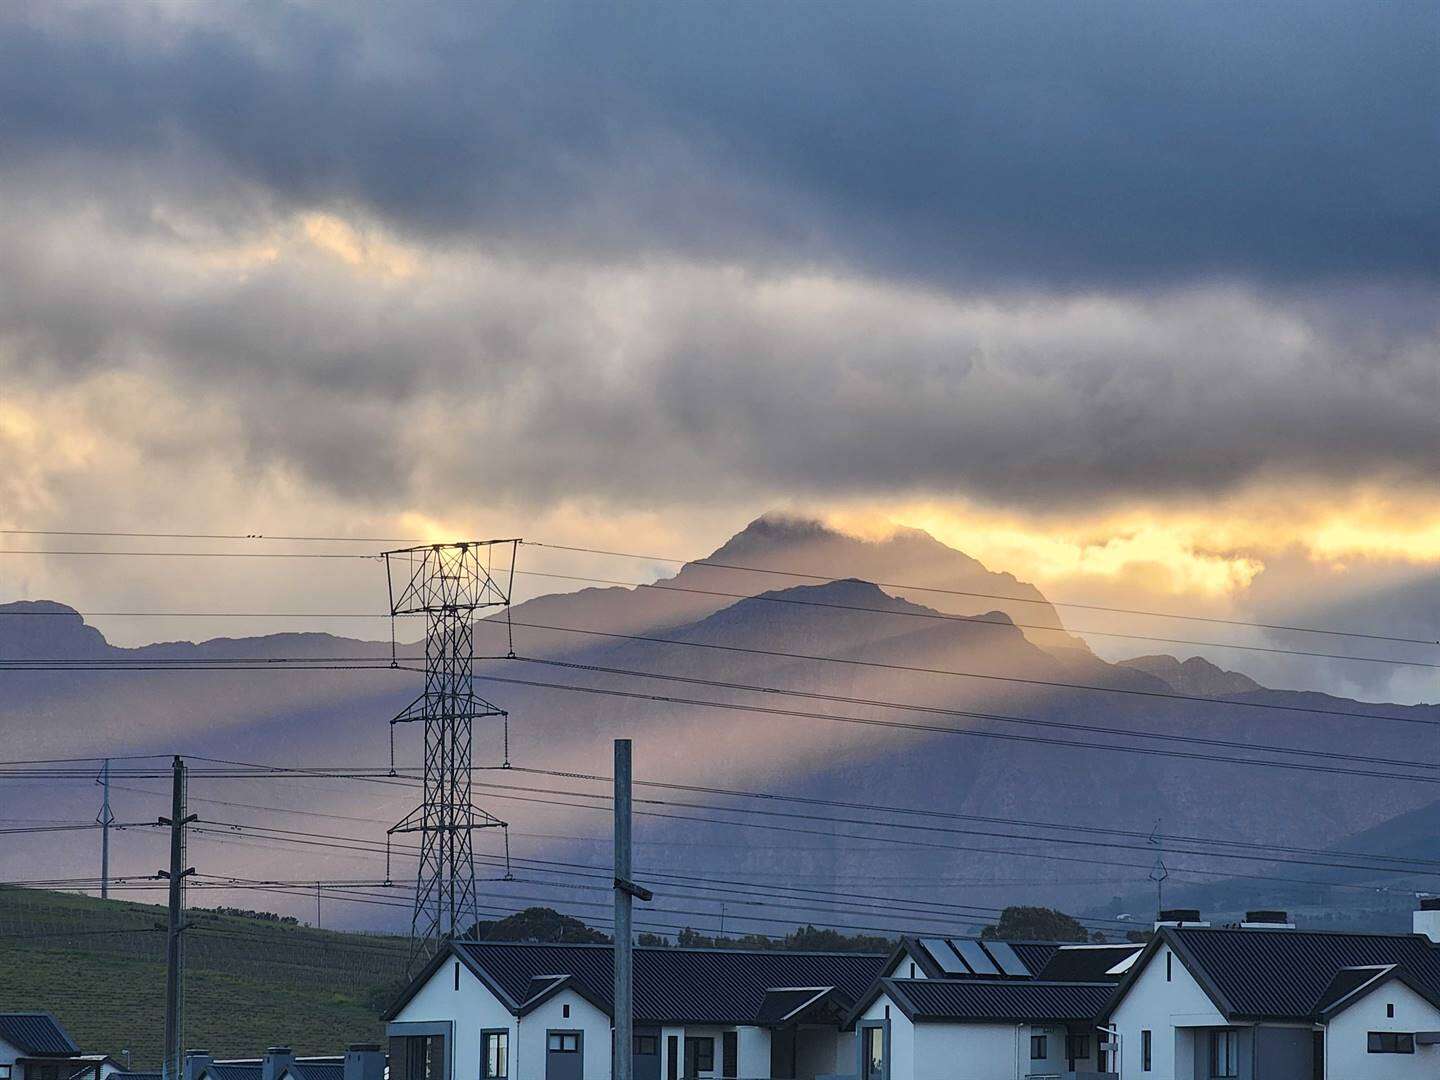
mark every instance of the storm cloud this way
{"type": "Point", "coordinates": [1073, 145]}
{"type": "Point", "coordinates": [656, 268]}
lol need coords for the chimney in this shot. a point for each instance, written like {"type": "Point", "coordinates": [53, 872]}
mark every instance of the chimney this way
{"type": "Point", "coordinates": [196, 1062]}
{"type": "Point", "coordinates": [1267, 920]}
{"type": "Point", "coordinates": [1177, 917]}
{"type": "Point", "coordinates": [274, 1062]}
{"type": "Point", "coordinates": [364, 1061]}
{"type": "Point", "coordinates": [1427, 919]}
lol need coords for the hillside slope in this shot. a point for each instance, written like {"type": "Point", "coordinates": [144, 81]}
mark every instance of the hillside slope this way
{"type": "Point", "coordinates": [99, 966]}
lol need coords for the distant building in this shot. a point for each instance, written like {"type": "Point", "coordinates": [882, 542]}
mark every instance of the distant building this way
{"type": "Point", "coordinates": [34, 1046]}
{"type": "Point", "coordinates": [509, 1011]}
{"type": "Point", "coordinates": [1265, 1001]}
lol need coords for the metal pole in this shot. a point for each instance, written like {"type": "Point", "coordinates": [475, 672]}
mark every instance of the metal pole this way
{"type": "Point", "coordinates": [173, 1066]}
{"type": "Point", "coordinates": [105, 817]}
{"type": "Point", "coordinates": [624, 945]}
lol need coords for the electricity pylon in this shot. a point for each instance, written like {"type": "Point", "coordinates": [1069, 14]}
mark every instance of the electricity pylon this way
{"type": "Point", "coordinates": [447, 584]}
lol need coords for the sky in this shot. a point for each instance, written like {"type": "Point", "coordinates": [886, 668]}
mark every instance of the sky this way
{"type": "Point", "coordinates": [1136, 301]}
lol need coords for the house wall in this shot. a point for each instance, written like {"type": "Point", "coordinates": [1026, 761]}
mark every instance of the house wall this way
{"type": "Point", "coordinates": [536, 1025]}
{"type": "Point", "coordinates": [969, 1051]}
{"type": "Point", "coordinates": [1346, 1057]}
{"type": "Point", "coordinates": [470, 1008]}
{"type": "Point", "coordinates": [902, 1040]}
{"type": "Point", "coordinates": [8, 1053]}
{"type": "Point", "coordinates": [1169, 1010]}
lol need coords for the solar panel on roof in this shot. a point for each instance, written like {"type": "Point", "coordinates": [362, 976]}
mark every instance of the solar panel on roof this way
{"type": "Point", "coordinates": [971, 952]}
{"type": "Point", "coordinates": [1009, 961]}
{"type": "Point", "coordinates": [945, 956]}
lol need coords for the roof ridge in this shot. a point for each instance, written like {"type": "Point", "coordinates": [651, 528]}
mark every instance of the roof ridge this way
{"type": "Point", "coordinates": [678, 948]}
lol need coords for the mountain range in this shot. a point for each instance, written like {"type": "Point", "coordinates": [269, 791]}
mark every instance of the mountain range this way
{"type": "Point", "coordinates": [843, 674]}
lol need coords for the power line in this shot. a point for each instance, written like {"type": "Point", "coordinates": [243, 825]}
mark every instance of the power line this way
{"type": "Point", "coordinates": [1001, 717]}
{"type": "Point", "coordinates": [368, 663]}
{"type": "Point", "coordinates": [771, 598]}
{"type": "Point", "coordinates": [709, 563]}
{"type": "Point", "coordinates": [935, 729]}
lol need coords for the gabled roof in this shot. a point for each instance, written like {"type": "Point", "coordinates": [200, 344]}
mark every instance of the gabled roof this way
{"type": "Point", "coordinates": [991, 1001]}
{"type": "Point", "coordinates": [1288, 975]}
{"type": "Point", "coordinates": [671, 985]}
{"type": "Point", "coordinates": [37, 1033]}
{"type": "Point", "coordinates": [1087, 963]}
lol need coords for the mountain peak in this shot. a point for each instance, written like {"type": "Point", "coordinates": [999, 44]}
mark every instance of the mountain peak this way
{"type": "Point", "coordinates": [1196, 675]}
{"type": "Point", "coordinates": [44, 628]}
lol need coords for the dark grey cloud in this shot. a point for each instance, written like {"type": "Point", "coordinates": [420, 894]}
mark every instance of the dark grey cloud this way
{"type": "Point", "coordinates": [1056, 144]}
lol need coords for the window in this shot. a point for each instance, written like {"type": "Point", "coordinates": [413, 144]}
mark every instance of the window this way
{"type": "Point", "coordinates": [565, 1011]}
{"type": "Point", "coordinates": [1390, 1011]}
{"type": "Point", "coordinates": [1039, 1048]}
{"type": "Point", "coordinates": [1169, 967]}
{"type": "Point", "coordinates": [729, 1054]}
{"type": "Point", "coordinates": [647, 1045]}
{"type": "Point", "coordinates": [1390, 1042]}
{"type": "Point", "coordinates": [704, 1054]}
{"type": "Point", "coordinates": [563, 1042]}
{"type": "Point", "coordinates": [872, 1062]}
{"type": "Point", "coordinates": [1145, 1058]}
{"type": "Point", "coordinates": [672, 1057]}
{"type": "Point", "coordinates": [497, 1055]}
{"type": "Point", "coordinates": [1077, 1047]}
{"type": "Point", "coordinates": [1224, 1053]}
{"type": "Point", "coordinates": [912, 971]}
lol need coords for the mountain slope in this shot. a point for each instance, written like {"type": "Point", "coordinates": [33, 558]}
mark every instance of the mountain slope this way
{"type": "Point", "coordinates": [836, 690]}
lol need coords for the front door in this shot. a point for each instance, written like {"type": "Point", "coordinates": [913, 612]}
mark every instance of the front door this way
{"type": "Point", "coordinates": [564, 1057]}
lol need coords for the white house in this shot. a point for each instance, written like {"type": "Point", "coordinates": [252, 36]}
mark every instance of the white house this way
{"type": "Point", "coordinates": [511, 1011]}
{"type": "Point", "coordinates": [980, 1029]}
{"type": "Point", "coordinates": [34, 1046]}
{"type": "Point", "coordinates": [1265, 1001]}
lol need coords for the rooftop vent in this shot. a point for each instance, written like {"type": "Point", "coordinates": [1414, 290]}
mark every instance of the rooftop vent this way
{"type": "Point", "coordinates": [1267, 920]}
{"type": "Point", "coordinates": [1179, 917]}
{"type": "Point", "coordinates": [1427, 919]}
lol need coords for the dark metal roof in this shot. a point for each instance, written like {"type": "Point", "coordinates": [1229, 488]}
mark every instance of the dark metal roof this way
{"type": "Point", "coordinates": [233, 1072]}
{"type": "Point", "coordinates": [1086, 963]}
{"type": "Point", "coordinates": [1285, 974]}
{"type": "Point", "coordinates": [136, 1076]}
{"type": "Point", "coordinates": [36, 1034]}
{"type": "Point", "coordinates": [695, 985]}
{"type": "Point", "coordinates": [317, 1070]}
{"type": "Point", "coordinates": [780, 1004]}
{"type": "Point", "coordinates": [996, 1001]}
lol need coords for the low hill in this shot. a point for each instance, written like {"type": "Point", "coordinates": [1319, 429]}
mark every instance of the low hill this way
{"type": "Point", "coordinates": [252, 982]}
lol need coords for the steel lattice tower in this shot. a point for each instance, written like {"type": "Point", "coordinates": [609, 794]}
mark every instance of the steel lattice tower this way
{"type": "Point", "coordinates": [447, 584]}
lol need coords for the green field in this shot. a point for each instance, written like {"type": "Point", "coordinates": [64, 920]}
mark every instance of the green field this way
{"type": "Point", "coordinates": [100, 967]}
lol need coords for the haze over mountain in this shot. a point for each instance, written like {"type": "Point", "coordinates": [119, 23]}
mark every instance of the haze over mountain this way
{"type": "Point", "coordinates": [923, 695]}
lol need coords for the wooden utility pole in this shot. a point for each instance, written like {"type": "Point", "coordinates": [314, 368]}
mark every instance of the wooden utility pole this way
{"type": "Point", "coordinates": [174, 1065]}
{"type": "Point", "coordinates": [625, 893]}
